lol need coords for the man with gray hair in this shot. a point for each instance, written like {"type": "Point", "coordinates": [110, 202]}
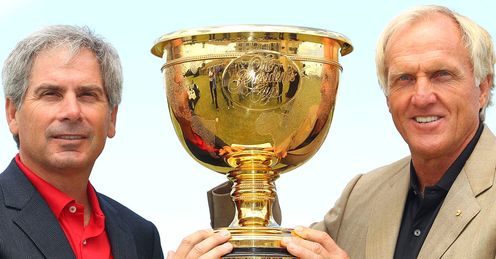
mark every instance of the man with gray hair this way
{"type": "Point", "coordinates": [436, 68]}
{"type": "Point", "coordinates": [62, 87]}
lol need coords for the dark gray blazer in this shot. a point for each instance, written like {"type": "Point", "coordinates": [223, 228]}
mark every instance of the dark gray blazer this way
{"type": "Point", "coordinates": [29, 229]}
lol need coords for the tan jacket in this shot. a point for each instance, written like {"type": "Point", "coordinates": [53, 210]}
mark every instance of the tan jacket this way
{"type": "Point", "coordinates": [366, 219]}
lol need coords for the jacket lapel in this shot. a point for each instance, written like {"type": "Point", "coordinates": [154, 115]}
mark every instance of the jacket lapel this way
{"type": "Point", "coordinates": [386, 219]}
{"type": "Point", "coordinates": [460, 205]}
{"type": "Point", "coordinates": [34, 217]}
{"type": "Point", "coordinates": [119, 234]}
{"type": "Point", "coordinates": [46, 234]}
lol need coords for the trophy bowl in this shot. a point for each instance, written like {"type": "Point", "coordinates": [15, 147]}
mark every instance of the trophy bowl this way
{"type": "Point", "coordinates": [252, 102]}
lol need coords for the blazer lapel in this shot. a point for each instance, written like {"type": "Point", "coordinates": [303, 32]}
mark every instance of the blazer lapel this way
{"type": "Point", "coordinates": [460, 205]}
{"type": "Point", "coordinates": [39, 223]}
{"type": "Point", "coordinates": [386, 220]}
{"type": "Point", "coordinates": [34, 217]}
{"type": "Point", "coordinates": [120, 236]}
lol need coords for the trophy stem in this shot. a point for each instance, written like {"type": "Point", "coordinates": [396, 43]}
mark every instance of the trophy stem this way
{"type": "Point", "coordinates": [253, 194]}
{"type": "Point", "coordinates": [254, 232]}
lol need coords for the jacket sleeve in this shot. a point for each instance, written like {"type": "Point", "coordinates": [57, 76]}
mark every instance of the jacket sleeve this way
{"type": "Point", "coordinates": [222, 208]}
{"type": "Point", "coordinates": [157, 247]}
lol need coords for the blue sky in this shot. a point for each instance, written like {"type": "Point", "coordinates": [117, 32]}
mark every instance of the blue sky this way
{"type": "Point", "coordinates": [146, 168]}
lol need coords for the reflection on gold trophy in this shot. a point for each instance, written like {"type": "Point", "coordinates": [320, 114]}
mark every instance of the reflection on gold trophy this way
{"type": "Point", "coordinates": [252, 102]}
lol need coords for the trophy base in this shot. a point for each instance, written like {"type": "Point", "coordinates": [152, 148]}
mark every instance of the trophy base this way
{"type": "Point", "coordinates": [258, 253]}
{"type": "Point", "coordinates": [258, 242]}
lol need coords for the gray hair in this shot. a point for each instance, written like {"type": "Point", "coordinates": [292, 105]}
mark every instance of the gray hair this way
{"type": "Point", "coordinates": [18, 65]}
{"type": "Point", "coordinates": [476, 39]}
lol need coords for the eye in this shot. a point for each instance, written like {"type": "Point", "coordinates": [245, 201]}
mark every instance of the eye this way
{"type": "Point", "coordinates": [89, 95]}
{"type": "Point", "coordinates": [442, 75]}
{"type": "Point", "coordinates": [406, 78]}
{"type": "Point", "coordinates": [50, 94]}
{"type": "Point", "coordinates": [402, 80]}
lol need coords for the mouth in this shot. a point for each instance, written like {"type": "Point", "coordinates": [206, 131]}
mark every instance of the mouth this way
{"type": "Point", "coordinates": [69, 137]}
{"type": "Point", "coordinates": [426, 119]}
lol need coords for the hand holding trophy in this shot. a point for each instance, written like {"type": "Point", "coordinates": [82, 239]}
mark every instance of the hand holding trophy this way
{"type": "Point", "coordinates": [252, 102]}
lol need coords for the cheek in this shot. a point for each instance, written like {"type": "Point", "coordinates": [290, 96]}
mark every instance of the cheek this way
{"type": "Point", "coordinates": [396, 104]}
{"type": "Point", "coordinates": [26, 121]}
{"type": "Point", "coordinates": [104, 127]}
{"type": "Point", "coordinates": [31, 131]}
{"type": "Point", "coordinates": [466, 103]}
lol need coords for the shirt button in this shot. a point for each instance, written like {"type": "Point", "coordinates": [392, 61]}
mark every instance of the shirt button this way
{"type": "Point", "coordinates": [417, 232]}
{"type": "Point", "coordinates": [72, 209]}
{"type": "Point", "coordinates": [84, 242]}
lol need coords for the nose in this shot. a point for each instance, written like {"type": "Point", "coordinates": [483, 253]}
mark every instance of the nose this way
{"type": "Point", "coordinates": [70, 108]}
{"type": "Point", "coordinates": [424, 93]}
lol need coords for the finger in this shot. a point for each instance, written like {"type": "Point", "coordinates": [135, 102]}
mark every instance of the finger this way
{"type": "Point", "coordinates": [190, 241]}
{"type": "Point", "coordinates": [171, 255]}
{"type": "Point", "coordinates": [312, 243]}
{"type": "Point", "coordinates": [316, 236]}
{"type": "Point", "coordinates": [218, 251]}
{"type": "Point", "coordinates": [210, 244]}
{"type": "Point", "coordinates": [303, 248]}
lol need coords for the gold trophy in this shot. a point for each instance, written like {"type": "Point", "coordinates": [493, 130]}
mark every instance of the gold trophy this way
{"type": "Point", "coordinates": [252, 102]}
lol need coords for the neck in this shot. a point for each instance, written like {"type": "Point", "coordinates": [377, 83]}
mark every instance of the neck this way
{"type": "Point", "coordinates": [75, 186]}
{"type": "Point", "coordinates": [430, 172]}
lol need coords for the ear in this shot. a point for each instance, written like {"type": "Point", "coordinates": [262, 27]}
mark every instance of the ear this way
{"type": "Point", "coordinates": [485, 88]}
{"type": "Point", "coordinates": [11, 112]}
{"type": "Point", "coordinates": [113, 121]}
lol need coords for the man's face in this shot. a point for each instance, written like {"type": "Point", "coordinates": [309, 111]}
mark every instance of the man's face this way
{"type": "Point", "coordinates": [433, 97]}
{"type": "Point", "coordinates": [65, 116]}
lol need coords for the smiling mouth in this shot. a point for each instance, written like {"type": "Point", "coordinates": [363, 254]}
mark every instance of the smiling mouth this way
{"type": "Point", "coordinates": [426, 119]}
{"type": "Point", "coordinates": [70, 137]}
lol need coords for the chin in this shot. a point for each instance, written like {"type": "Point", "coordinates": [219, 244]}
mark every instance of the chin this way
{"type": "Point", "coordinates": [426, 151]}
{"type": "Point", "coordinates": [66, 162]}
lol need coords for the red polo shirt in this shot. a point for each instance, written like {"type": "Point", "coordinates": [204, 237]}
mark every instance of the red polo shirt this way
{"type": "Point", "coordinates": [87, 242]}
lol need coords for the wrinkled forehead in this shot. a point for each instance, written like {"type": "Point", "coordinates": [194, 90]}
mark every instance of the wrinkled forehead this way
{"type": "Point", "coordinates": [427, 21]}
{"type": "Point", "coordinates": [427, 33]}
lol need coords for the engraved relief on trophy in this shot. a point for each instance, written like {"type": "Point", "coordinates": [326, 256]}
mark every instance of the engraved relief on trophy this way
{"type": "Point", "coordinates": [261, 80]}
